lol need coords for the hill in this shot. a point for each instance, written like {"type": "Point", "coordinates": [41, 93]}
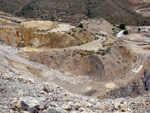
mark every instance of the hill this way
{"type": "Point", "coordinates": [12, 6]}
{"type": "Point", "coordinates": [116, 11]}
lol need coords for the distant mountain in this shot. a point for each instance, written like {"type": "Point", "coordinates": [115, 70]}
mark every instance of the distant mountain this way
{"type": "Point", "coordinates": [141, 7]}
{"type": "Point", "coordinates": [139, 1]}
{"type": "Point", "coordinates": [12, 6]}
{"type": "Point", "coordinates": [115, 11]}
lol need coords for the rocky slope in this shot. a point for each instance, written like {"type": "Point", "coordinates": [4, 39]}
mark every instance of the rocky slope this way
{"type": "Point", "coordinates": [22, 92]}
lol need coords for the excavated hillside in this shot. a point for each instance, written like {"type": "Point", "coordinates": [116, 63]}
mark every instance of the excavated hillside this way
{"type": "Point", "coordinates": [28, 34]}
{"type": "Point", "coordinates": [55, 67]}
{"type": "Point", "coordinates": [83, 62]}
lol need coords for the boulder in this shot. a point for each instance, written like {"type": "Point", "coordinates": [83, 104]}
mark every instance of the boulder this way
{"type": "Point", "coordinates": [30, 104]}
{"type": "Point", "coordinates": [45, 88]}
{"type": "Point", "coordinates": [100, 106]}
{"type": "Point", "coordinates": [77, 106]}
{"type": "Point", "coordinates": [66, 107]}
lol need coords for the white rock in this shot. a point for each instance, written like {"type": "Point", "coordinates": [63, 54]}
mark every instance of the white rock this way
{"type": "Point", "coordinates": [100, 106]}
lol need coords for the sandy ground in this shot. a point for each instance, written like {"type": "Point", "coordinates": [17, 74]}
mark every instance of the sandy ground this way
{"type": "Point", "coordinates": [29, 49]}
{"type": "Point", "coordinates": [110, 85]}
{"type": "Point", "coordinates": [40, 25]}
{"type": "Point", "coordinates": [62, 28]}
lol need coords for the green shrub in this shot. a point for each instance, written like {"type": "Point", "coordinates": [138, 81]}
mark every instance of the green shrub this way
{"type": "Point", "coordinates": [104, 52]}
{"type": "Point", "coordinates": [80, 25]}
{"type": "Point", "coordinates": [139, 29]}
{"type": "Point", "coordinates": [125, 32]}
{"type": "Point", "coordinates": [113, 29]}
{"type": "Point", "coordinates": [122, 26]}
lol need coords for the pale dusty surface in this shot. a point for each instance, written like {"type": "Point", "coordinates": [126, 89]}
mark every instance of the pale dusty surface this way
{"type": "Point", "coordinates": [40, 25]}
{"type": "Point", "coordinates": [62, 28]}
{"type": "Point", "coordinates": [110, 85]}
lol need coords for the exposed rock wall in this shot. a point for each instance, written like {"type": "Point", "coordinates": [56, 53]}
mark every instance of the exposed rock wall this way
{"type": "Point", "coordinates": [21, 37]}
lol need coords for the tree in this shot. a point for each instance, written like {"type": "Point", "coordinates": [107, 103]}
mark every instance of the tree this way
{"type": "Point", "coordinates": [125, 32]}
{"type": "Point", "coordinates": [88, 13]}
{"type": "Point", "coordinates": [113, 29]}
{"type": "Point", "coordinates": [52, 18]}
{"type": "Point", "coordinates": [139, 29]}
{"type": "Point", "coordinates": [122, 26]}
{"type": "Point", "coordinates": [80, 25]}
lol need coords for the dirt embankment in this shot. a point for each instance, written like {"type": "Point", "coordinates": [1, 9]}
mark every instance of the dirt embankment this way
{"type": "Point", "coordinates": [98, 67]}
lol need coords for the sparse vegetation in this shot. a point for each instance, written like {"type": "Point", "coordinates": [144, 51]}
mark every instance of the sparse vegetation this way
{"type": "Point", "coordinates": [52, 18]}
{"type": "Point", "coordinates": [100, 51]}
{"type": "Point", "coordinates": [103, 52]}
{"type": "Point", "coordinates": [113, 29]}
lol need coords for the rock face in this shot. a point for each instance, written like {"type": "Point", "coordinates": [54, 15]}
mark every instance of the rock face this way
{"type": "Point", "coordinates": [146, 76]}
{"type": "Point", "coordinates": [146, 80]}
{"type": "Point", "coordinates": [73, 63]}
